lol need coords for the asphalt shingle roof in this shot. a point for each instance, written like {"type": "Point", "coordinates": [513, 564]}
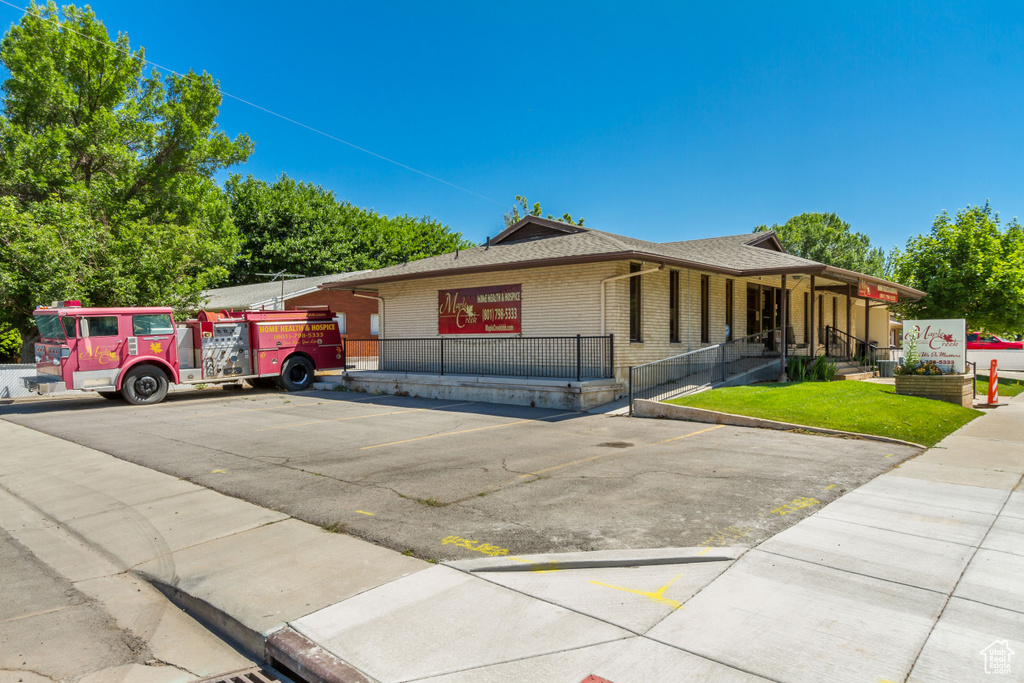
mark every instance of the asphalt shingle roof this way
{"type": "Point", "coordinates": [737, 255]}
{"type": "Point", "coordinates": [242, 297]}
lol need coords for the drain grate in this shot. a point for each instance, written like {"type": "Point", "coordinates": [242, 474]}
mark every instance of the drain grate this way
{"type": "Point", "coordinates": [253, 675]}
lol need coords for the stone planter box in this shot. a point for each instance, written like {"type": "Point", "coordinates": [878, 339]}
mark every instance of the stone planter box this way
{"type": "Point", "coordinates": [958, 389]}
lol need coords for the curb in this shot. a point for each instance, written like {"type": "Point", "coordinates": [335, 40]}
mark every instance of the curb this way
{"type": "Point", "coordinates": [669, 411]}
{"type": "Point", "coordinates": [292, 651]}
{"type": "Point", "coordinates": [284, 649]}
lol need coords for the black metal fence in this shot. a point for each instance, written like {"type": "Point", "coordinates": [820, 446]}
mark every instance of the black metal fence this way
{"type": "Point", "coordinates": [844, 346]}
{"type": "Point", "coordinates": [576, 357]}
{"type": "Point", "coordinates": [703, 367]}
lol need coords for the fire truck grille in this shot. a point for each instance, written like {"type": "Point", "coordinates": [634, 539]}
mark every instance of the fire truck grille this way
{"type": "Point", "coordinates": [253, 675]}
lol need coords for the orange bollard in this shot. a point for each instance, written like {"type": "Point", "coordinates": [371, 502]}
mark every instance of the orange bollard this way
{"type": "Point", "coordinates": [993, 384]}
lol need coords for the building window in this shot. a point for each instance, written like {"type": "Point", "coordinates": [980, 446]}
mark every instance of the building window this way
{"type": "Point", "coordinates": [835, 307]}
{"type": "Point", "coordinates": [728, 310]}
{"type": "Point", "coordinates": [807, 318]}
{"type": "Point", "coordinates": [673, 306]}
{"type": "Point", "coordinates": [634, 304]}
{"type": "Point", "coordinates": [342, 323]}
{"type": "Point", "coordinates": [705, 326]}
{"type": "Point", "coordinates": [374, 324]}
{"type": "Point", "coordinates": [821, 318]}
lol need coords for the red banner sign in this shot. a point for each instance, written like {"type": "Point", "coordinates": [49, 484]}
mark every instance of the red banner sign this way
{"type": "Point", "coordinates": [480, 310]}
{"type": "Point", "coordinates": [880, 292]}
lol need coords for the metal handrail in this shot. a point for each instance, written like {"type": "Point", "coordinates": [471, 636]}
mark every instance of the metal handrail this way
{"type": "Point", "coordinates": [579, 357]}
{"type": "Point", "coordinates": [836, 338]}
{"type": "Point", "coordinates": [687, 372]}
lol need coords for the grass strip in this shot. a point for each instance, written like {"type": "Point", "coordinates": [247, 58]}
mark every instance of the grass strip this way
{"type": "Point", "coordinates": [1008, 388]}
{"type": "Point", "coordinates": [861, 407]}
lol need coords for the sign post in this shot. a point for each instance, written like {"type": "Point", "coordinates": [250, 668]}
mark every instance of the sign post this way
{"type": "Point", "coordinates": [993, 384]}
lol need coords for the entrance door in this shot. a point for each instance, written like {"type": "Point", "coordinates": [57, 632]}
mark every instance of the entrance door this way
{"type": "Point", "coordinates": [763, 310]}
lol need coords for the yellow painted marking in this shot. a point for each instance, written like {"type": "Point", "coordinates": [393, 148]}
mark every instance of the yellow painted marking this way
{"type": "Point", "coordinates": [730, 533]}
{"type": "Point", "coordinates": [885, 680]}
{"type": "Point", "coordinates": [339, 419]}
{"type": "Point", "coordinates": [432, 436]}
{"type": "Point", "coordinates": [676, 438]}
{"type": "Point", "coordinates": [656, 596]}
{"type": "Point", "coordinates": [794, 505]}
{"type": "Point", "coordinates": [218, 471]}
{"type": "Point", "coordinates": [608, 455]}
{"type": "Point", "coordinates": [703, 551]}
{"type": "Point", "coordinates": [889, 456]}
{"type": "Point", "coordinates": [363, 512]}
{"type": "Point", "coordinates": [359, 417]}
{"type": "Point", "coordinates": [485, 548]}
{"type": "Point", "coordinates": [310, 402]}
{"type": "Point", "coordinates": [466, 431]}
{"type": "Point", "coordinates": [830, 486]}
{"type": "Point", "coordinates": [568, 464]}
{"type": "Point", "coordinates": [253, 410]}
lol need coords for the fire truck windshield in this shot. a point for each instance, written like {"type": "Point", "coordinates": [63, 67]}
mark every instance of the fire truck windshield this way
{"type": "Point", "coordinates": [49, 327]}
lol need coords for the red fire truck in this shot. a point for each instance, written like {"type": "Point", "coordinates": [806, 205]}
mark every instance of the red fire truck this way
{"type": "Point", "coordinates": [135, 353]}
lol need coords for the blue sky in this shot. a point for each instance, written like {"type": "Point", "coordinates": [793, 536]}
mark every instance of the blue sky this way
{"type": "Point", "coordinates": [663, 121]}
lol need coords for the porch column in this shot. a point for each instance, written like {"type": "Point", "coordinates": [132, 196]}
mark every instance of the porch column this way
{"type": "Point", "coordinates": [867, 322]}
{"type": "Point", "coordinates": [849, 329]}
{"type": "Point", "coordinates": [785, 328]}
{"type": "Point", "coordinates": [811, 347]}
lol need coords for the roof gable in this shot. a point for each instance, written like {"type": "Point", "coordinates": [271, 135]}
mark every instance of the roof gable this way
{"type": "Point", "coordinates": [767, 240]}
{"type": "Point", "coordinates": [535, 228]}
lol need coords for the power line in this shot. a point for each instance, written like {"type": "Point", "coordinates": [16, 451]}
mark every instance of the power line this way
{"type": "Point", "coordinates": [263, 109]}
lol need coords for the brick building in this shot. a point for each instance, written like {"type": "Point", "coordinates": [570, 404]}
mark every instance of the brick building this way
{"type": "Point", "coordinates": [657, 299]}
{"type": "Point", "coordinates": [356, 315]}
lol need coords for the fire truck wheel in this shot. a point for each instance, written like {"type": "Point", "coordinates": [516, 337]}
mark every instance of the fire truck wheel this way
{"type": "Point", "coordinates": [296, 375]}
{"type": "Point", "coordinates": [111, 395]}
{"type": "Point", "coordinates": [144, 384]}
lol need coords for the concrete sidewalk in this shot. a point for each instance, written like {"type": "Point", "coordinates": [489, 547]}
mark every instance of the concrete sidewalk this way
{"type": "Point", "coordinates": [914, 576]}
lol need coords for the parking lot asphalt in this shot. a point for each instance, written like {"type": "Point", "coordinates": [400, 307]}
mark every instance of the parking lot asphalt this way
{"type": "Point", "coordinates": [426, 476]}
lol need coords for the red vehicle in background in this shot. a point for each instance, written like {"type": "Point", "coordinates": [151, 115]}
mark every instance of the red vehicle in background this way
{"type": "Point", "coordinates": [136, 353]}
{"type": "Point", "coordinates": [989, 342]}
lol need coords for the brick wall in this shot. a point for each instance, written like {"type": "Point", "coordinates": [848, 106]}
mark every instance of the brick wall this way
{"type": "Point", "coordinates": [565, 301]}
{"type": "Point", "coordinates": [956, 389]}
{"type": "Point", "coordinates": [356, 309]}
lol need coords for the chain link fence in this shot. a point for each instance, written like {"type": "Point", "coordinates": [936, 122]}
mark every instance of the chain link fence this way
{"type": "Point", "coordinates": [13, 382]}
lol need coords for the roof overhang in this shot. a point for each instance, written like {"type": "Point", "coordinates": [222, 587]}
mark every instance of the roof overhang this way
{"type": "Point", "coordinates": [820, 269]}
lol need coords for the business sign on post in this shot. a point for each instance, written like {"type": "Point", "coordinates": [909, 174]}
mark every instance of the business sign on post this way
{"type": "Point", "coordinates": [872, 290]}
{"type": "Point", "coordinates": [480, 310]}
{"type": "Point", "coordinates": [943, 342]}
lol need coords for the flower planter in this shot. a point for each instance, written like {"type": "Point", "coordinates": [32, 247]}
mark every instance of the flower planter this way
{"type": "Point", "coordinates": [958, 389]}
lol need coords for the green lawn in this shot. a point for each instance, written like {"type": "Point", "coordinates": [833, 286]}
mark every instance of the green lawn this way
{"type": "Point", "coordinates": [860, 407]}
{"type": "Point", "coordinates": [1007, 387]}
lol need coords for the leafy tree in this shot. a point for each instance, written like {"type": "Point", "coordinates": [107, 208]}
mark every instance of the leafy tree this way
{"type": "Point", "coordinates": [513, 216]}
{"type": "Point", "coordinates": [302, 228]}
{"type": "Point", "coordinates": [970, 268]}
{"type": "Point", "coordinates": [10, 345]}
{"type": "Point", "coordinates": [106, 174]}
{"type": "Point", "coordinates": [826, 238]}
